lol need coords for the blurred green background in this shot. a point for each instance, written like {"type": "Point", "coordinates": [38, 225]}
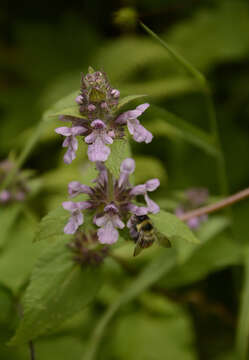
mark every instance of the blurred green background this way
{"type": "Point", "coordinates": [192, 313]}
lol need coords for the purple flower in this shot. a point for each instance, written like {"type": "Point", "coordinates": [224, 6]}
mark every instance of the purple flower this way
{"type": "Point", "coordinates": [76, 218]}
{"type": "Point", "coordinates": [99, 137]}
{"type": "Point", "coordinates": [126, 169]}
{"type": "Point", "coordinates": [71, 142]}
{"type": "Point", "coordinates": [108, 234]}
{"type": "Point", "coordinates": [5, 196]}
{"type": "Point", "coordinates": [75, 188]}
{"type": "Point", "coordinates": [110, 201]}
{"type": "Point", "coordinates": [140, 134]}
{"type": "Point", "coordinates": [152, 207]}
{"type": "Point", "coordinates": [194, 198]}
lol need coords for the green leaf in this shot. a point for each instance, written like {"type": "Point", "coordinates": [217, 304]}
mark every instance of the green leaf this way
{"type": "Point", "coordinates": [64, 103]}
{"type": "Point", "coordinates": [18, 256]}
{"type": "Point", "coordinates": [242, 336]}
{"type": "Point", "coordinates": [159, 127]}
{"type": "Point", "coordinates": [162, 88]}
{"type": "Point", "coordinates": [147, 165]}
{"type": "Point", "coordinates": [52, 225]}
{"type": "Point", "coordinates": [70, 111]}
{"type": "Point", "coordinates": [59, 288]}
{"type": "Point", "coordinates": [141, 335]}
{"type": "Point", "coordinates": [120, 150]}
{"type": "Point", "coordinates": [158, 267]}
{"type": "Point", "coordinates": [177, 57]}
{"type": "Point", "coordinates": [8, 216]}
{"type": "Point", "coordinates": [124, 101]}
{"type": "Point", "coordinates": [213, 255]}
{"type": "Point", "coordinates": [172, 227]}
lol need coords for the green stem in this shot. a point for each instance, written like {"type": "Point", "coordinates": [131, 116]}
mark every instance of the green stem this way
{"type": "Point", "coordinates": [23, 156]}
{"type": "Point", "coordinates": [200, 78]}
{"type": "Point", "coordinates": [221, 167]}
{"type": "Point", "coordinates": [183, 62]}
{"type": "Point", "coordinates": [216, 206]}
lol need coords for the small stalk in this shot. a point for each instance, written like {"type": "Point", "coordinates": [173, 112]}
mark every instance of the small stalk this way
{"type": "Point", "coordinates": [217, 206]}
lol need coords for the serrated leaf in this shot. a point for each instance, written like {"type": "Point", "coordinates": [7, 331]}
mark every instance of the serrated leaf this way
{"type": "Point", "coordinates": [127, 99]}
{"type": "Point", "coordinates": [59, 288]}
{"type": "Point", "coordinates": [18, 256]}
{"type": "Point", "coordinates": [158, 267]}
{"type": "Point", "coordinates": [171, 226]}
{"type": "Point", "coordinates": [8, 216]}
{"type": "Point", "coordinates": [52, 225]}
{"type": "Point", "coordinates": [70, 111]}
{"type": "Point", "coordinates": [120, 150]}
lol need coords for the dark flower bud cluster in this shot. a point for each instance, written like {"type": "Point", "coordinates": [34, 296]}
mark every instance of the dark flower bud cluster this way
{"type": "Point", "coordinates": [87, 250]}
{"type": "Point", "coordinates": [97, 98]}
{"type": "Point", "coordinates": [18, 189]}
{"type": "Point", "coordinates": [194, 198]}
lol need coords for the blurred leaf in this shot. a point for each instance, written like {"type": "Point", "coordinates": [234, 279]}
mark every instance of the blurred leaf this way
{"type": "Point", "coordinates": [8, 216]}
{"type": "Point", "coordinates": [126, 100]}
{"type": "Point", "coordinates": [172, 227]}
{"type": "Point", "coordinates": [52, 225]}
{"type": "Point", "coordinates": [207, 37]}
{"type": "Point", "coordinates": [217, 253]}
{"type": "Point", "coordinates": [242, 337]}
{"type": "Point", "coordinates": [59, 348]}
{"type": "Point", "coordinates": [64, 103]}
{"type": "Point", "coordinates": [158, 267]}
{"type": "Point", "coordinates": [120, 150]}
{"type": "Point", "coordinates": [162, 88]}
{"type": "Point", "coordinates": [18, 256]}
{"type": "Point", "coordinates": [148, 165]}
{"type": "Point", "coordinates": [70, 111]}
{"type": "Point", "coordinates": [183, 129]}
{"type": "Point", "coordinates": [179, 59]}
{"type": "Point", "coordinates": [6, 304]}
{"type": "Point", "coordinates": [142, 336]}
{"type": "Point", "coordinates": [59, 288]}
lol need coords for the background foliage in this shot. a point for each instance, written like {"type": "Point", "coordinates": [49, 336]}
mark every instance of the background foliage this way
{"type": "Point", "coordinates": [189, 304]}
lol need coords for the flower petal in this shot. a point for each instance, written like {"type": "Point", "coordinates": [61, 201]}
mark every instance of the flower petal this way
{"type": "Point", "coordinates": [64, 130]}
{"type": "Point", "coordinates": [89, 139]}
{"type": "Point", "coordinates": [152, 184]}
{"type": "Point", "coordinates": [107, 234]}
{"type": "Point", "coordinates": [138, 190]}
{"type": "Point", "coordinates": [98, 151]}
{"type": "Point", "coordinates": [142, 135]}
{"type": "Point", "coordinates": [102, 220]}
{"type": "Point", "coordinates": [117, 222]}
{"type": "Point", "coordinates": [75, 188]}
{"type": "Point", "coordinates": [77, 130]}
{"type": "Point", "coordinates": [152, 206]}
{"type": "Point", "coordinates": [74, 222]}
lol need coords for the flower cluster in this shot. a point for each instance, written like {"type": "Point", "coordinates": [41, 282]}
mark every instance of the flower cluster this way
{"type": "Point", "coordinates": [110, 201]}
{"type": "Point", "coordinates": [194, 198]}
{"type": "Point", "coordinates": [18, 189]}
{"type": "Point", "coordinates": [99, 122]}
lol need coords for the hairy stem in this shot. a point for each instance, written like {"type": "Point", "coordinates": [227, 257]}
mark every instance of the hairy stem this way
{"type": "Point", "coordinates": [217, 206]}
